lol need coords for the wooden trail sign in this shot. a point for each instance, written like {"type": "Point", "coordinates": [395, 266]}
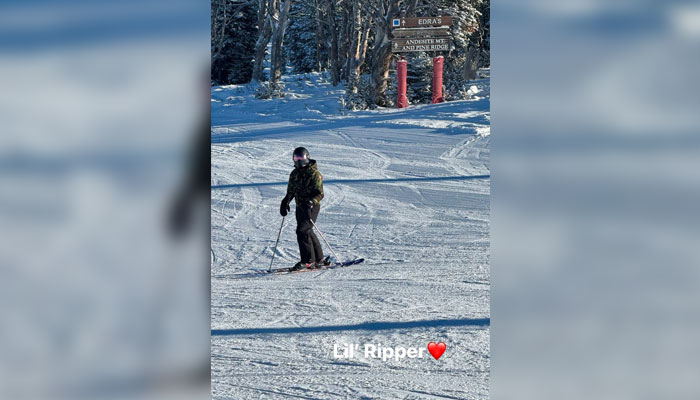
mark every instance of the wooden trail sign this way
{"type": "Point", "coordinates": [420, 44]}
{"type": "Point", "coordinates": [420, 32]}
{"type": "Point", "coordinates": [421, 22]}
{"type": "Point", "coordinates": [421, 41]}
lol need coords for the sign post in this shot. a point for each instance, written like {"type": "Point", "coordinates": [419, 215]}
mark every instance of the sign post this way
{"type": "Point", "coordinates": [417, 35]}
{"type": "Point", "coordinates": [437, 79]}
{"type": "Point", "coordinates": [401, 69]}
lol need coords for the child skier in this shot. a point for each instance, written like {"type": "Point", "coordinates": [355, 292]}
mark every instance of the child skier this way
{"type": "Point", "coordinates": [306, 188]}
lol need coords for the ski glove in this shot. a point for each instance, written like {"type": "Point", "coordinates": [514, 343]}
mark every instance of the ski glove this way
{"type": "Point", "coordinates": [284, 207]}
{"type": "Point", "coordinates": [310, 204]}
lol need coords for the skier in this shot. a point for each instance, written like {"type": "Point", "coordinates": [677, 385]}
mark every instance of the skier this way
{"type": "Point", "coordinates": [306, 188]}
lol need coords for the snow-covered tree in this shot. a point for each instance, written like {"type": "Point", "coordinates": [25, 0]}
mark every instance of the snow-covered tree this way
{"type": "Point", "coordinates": [349, 38]}
{"type": "Point", "coordinates": [419, 78]}
{"type": "Point", "coordinates": [305, 44]}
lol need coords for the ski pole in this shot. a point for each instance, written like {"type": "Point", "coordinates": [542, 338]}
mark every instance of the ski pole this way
{"type": "Point", "coordinates": [324, 239]}
{"type": "Point", "coordinates": [275, 249]}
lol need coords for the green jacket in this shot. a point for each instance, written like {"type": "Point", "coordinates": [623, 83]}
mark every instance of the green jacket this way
{"type": "Point", "coordinates": [305, 184]}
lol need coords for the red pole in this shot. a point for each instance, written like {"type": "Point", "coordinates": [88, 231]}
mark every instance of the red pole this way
{"type": "Point", "coordinates": [437, 79]}
{"type": "Point", "coordinates": [401, 66]}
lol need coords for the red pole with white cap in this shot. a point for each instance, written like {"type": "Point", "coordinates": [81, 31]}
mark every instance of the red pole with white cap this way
{"type": "Point", "coordinates": [401, 68]}
{"type": "Point", "coordinates": [437, 79]}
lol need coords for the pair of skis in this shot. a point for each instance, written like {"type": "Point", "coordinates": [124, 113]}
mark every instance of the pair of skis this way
{"type": "Point", "coordinates": [290, 270]}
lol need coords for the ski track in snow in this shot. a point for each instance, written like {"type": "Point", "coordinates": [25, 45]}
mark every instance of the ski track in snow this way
{"type": "Point", "coordinates": [426, 245]}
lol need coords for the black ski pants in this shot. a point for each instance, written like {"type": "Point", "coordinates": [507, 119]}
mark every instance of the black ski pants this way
{"type": "Point", "coordinates": [309, 247]}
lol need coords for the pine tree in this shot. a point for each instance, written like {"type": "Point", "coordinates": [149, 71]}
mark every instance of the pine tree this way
{"type": "Point", "coordinates": [304, 45]}
{"type": "Point", "coordinates": [419, 78]}
{"type": "Point", "coordinates": [232, 40]}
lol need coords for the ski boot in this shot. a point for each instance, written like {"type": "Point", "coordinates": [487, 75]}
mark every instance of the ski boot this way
{"type": "Point", "coordinates": [301, 265]}
{"type": "Point", "coordinates": [326, 261]}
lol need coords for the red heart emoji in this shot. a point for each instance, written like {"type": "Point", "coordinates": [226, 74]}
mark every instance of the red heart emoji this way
{"type": "Point", "coordinates": [436, 349]}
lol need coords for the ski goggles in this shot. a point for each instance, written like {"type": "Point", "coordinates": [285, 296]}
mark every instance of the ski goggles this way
{"type": "Point", "coordinates": [299, 158]}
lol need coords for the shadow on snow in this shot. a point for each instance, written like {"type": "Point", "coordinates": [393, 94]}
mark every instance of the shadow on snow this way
{"type": "Point", "coordinates": [355, 181]}
{"type": "Point", "coordinates": [365, 326]}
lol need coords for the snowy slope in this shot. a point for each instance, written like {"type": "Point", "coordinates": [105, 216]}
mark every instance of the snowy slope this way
{"type": "Point", "coordinates": [406, 189]}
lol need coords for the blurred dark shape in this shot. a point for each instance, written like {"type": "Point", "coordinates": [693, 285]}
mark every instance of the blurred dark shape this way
{"type": "Point", "coordinates": [196, 187]}
{"type": "Point", "coordinates": [193, 201]}
{"type": "Point", "coordinates": [98, 101]}
{"type": "Point", "coordinates": [594, 199]}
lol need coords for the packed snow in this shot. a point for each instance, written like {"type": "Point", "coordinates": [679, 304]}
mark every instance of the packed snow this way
{"type": "Point", "coordinates": [406, 189]}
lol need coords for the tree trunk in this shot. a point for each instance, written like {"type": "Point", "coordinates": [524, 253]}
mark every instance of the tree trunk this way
{"type": "Point", "coordinates": [354, 50]}
{"type": "Point", "coordinates": [380, 70]}
{"type": "Point", "coordinates": [277, 40]}
{"type": "Point", "coordinates": [381, 52]}
{"type": "Point", "coordinates": [333, 54]}
{"type": "Point", "coordinates": [263, 9]}
{"type": "Point", "coordinates": [267, 15]}
{"type": "Point", "coordinates": [363, 49]}
{"type": "Point", "coordinates": [471, 65]}
{"type": "Point", "coordinates": [344, 42]}
{"type": "Point", "coordinates": [260, 47]}
{"type": "Point", "coordinates": [319, 38]}
{"type": "Point", "coordinates": [360, 54]}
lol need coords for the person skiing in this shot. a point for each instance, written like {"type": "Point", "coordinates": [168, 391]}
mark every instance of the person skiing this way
{"type": "Point", "coordinates": [306, 188]}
